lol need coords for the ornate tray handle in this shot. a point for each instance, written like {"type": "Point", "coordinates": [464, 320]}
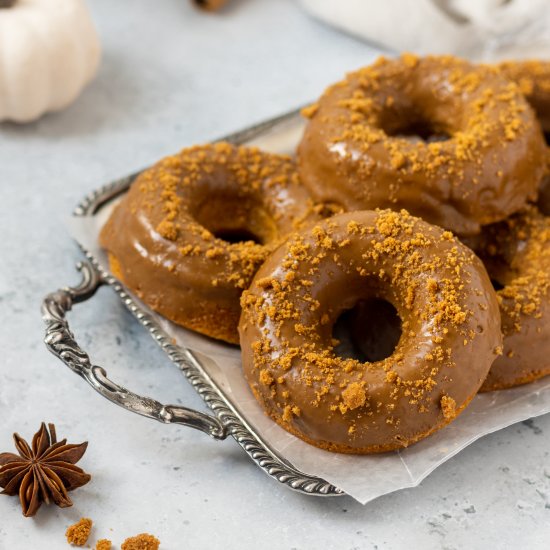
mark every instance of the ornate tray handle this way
{"type": "Point", "coordinates": [61, 342]}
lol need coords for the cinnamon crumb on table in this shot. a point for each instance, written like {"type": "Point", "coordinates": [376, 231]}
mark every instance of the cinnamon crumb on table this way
{"type": "Point", "coordinates": [144, 541]}
{"type": "Point", "coordinates": [78, 533]}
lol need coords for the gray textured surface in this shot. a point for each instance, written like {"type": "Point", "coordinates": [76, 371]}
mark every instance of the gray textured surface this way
{"type": "Point", "coordinates": [170, 77]}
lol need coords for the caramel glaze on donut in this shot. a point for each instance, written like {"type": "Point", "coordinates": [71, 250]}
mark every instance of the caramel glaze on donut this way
{"type": "Point", "coordinates": [169, 239]}
{"type": "Point", "coordinates": [481, 159]}
{"type": "Point", "coordinates": [516, 253]}
{"type": "Point", "coordinates": [533, 79]}
{"type": "Point", "coordinates": [450, 335]}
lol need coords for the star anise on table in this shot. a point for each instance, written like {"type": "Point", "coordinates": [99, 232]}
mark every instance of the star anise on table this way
{"type": "Point", "coordinates": [43, 472]}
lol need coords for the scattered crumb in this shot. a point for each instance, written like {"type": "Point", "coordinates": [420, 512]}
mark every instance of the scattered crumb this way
{"type": "Point", "coordinates": [266, 378]}
{"type": "Point", "coordinates": [78, 533]}
{"type": "Point", "coordinates": [103, 544]}
{"type": "Point", "coordinates": [448, 406]}
{"type": "Point", "coordinates": [310, 110]}
{"type": "Point", "coordinates": [354, 396]}
{"type": "Point", "coordinates": [144, 541]}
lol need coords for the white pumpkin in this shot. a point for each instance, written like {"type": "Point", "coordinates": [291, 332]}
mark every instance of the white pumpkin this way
{"type": "Point", "coordinates": [49, 50]}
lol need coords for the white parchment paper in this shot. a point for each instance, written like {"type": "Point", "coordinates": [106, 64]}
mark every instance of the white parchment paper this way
{"type": "Point", "coordinates": [362, 477]}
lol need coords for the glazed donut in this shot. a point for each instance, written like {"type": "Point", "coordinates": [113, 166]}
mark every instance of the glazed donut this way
{"type": "Point", "coordinates": [448, 315]}
{"type": "Point", "coordinates": [191, 232]}
{"type": "Point", "coordinates": [453, 143]}
{"type": "Point", "coordinates": [516, 253]}
{"type": "Point", "coordinates": [533, 79]}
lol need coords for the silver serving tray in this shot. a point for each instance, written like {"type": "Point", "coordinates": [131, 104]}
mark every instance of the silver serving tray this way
{"type": "Point", "coordinates": [225, 419]}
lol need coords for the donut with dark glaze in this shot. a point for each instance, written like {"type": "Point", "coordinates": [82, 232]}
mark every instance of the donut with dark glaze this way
{"type": "Point", "coordinates": [191, 232]}
{"type": "Point", "coordinates": [454, 143]}
{"type": "Point", "coordinates": [533, 78]}
{"type": "Point", "coordinates": [516, 253]}
{"type": "Point", "coordinates": [450, 331]}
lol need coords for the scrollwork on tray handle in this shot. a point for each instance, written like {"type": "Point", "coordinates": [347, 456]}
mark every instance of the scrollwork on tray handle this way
{"type": "Point", "coordinates": [61, 342]}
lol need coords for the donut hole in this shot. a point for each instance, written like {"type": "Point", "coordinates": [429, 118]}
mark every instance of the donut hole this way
{"type": "Point", "coordinates": [329, 208]}
{"type": "Point", "coordinates": [236, 236]}
{"type": "Point", "coordinates": [543, 202]}
{"type": "Point", "coordinates": [406, 119]}
{"type": "Point", "coordinates": [497, 285]}
{"type": "Point", "coordinates": [236, 219]}
{"type": "Point", "coordinates": [417, 128]}
{"type": "Point", "coordinates": [368, 332]}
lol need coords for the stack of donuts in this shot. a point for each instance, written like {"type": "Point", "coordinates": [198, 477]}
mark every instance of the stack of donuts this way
{"type": "Point", "coordinates": [379, 279]}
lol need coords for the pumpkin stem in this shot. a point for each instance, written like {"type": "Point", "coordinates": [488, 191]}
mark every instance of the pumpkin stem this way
{"type": "Point", "coordinates": [7, 3]}
{"type": "Point", "coordinates": [210, 5]}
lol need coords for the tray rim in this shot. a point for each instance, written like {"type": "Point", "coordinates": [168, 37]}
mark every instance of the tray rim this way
{"type": "Point", "coordinates": [251, 442]}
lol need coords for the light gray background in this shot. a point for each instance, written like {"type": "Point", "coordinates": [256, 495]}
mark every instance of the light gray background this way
{"type": "Point", "coordinates": [172, 76]}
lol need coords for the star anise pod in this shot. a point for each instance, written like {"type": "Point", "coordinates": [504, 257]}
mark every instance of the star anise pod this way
{"type": "Point", "coordinates": [43, 472]}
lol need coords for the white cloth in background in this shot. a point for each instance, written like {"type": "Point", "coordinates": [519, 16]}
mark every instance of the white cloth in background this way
{"type": "Point", "coordinates": [476, 29]}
